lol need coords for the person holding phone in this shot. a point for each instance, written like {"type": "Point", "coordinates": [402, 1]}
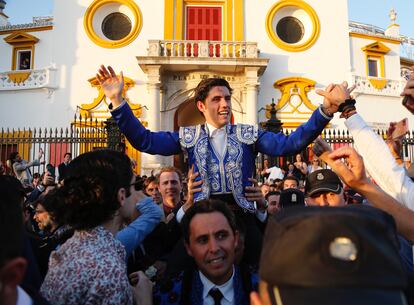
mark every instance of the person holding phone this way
{"type": "Point", "coordinates": [21, 167]}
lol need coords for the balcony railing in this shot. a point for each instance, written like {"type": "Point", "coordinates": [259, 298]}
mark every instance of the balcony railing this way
{"type": "Point", "coordinates": [203, 49]}
{"type": "Point", "coordinates": [365, 85]}
{"type": "Point", "coordinates": [28, 79]}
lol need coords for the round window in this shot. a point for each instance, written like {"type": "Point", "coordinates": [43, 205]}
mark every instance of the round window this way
{"type": "Point", "coordinates": [290, 29]}
{"type": "Point", "coordinates": [292, 25]}
{"type": "Point", "coordinates": [116, 26]}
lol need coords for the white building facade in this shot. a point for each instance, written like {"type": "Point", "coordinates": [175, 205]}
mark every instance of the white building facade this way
{"type": "Point", "coordinates": [281, 50]}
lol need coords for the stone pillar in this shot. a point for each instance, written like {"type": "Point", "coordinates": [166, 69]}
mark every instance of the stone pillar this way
{"type": "Point", "coordinates": [252, 83]}
{"type": "Point", "coordinates": [152, 162]}
{"type": "Point", "coordinates": [153, 86]}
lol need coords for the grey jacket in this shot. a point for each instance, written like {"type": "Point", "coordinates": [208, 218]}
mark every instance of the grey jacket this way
{"type": "Point", "coordinates": [22, 172]}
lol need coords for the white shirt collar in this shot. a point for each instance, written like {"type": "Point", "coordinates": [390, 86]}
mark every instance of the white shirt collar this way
{"type": "Point", "coordinates": [211, 130]}
{"type": "Point", "coordinates": [22, 297]}
{"type": "Point", "coordinates": [226, 289]}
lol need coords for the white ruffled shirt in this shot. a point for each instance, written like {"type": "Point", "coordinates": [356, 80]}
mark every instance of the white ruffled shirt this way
{"type": "Point", "coordinates": [218, 139]}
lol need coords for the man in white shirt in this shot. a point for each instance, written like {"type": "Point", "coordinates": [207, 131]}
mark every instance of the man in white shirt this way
{"type": "Point", "coordinates": [273, 172]}
{"type": "Point", "coordinates": [224, 154]}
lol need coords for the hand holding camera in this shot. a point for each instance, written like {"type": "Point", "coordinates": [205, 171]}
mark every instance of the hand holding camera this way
{"type": "Point", "coordinates": [48, 179]}
{"type": "Point", "coordinates": [322, 149]}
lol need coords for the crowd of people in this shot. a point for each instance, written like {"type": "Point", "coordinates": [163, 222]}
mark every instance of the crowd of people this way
{"type": "Point", "coordinates": [96, 233]}
{"type": "Point", "coordinates": [275, 182]}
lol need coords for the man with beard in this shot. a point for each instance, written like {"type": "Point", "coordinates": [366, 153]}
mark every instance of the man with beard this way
{"type": "Point", "coordinates": [54, 234]}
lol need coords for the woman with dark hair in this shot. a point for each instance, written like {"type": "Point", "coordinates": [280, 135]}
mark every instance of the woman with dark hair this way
{"type": "Point", "coordinates": [301, 166]}
{"type": "Point", "coordinates": [98, 195]}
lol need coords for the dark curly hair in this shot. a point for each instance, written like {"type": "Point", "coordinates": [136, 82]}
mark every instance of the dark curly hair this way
{"type": "Point", "coordinates": [52, 203]}
{"type": "Point", "coordinates": [90, 191]}
{"type": "Point", "coordinates": [204, 87]}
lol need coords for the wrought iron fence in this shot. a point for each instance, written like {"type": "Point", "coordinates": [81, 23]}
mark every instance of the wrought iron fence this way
{"type": "Point", "coordinates": [83, 135]}
{"type": "Point", "coordinates": [336, 138]}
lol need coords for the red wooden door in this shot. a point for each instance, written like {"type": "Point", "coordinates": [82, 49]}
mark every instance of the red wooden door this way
{"type": "Point", "coordinates": [204, 23]}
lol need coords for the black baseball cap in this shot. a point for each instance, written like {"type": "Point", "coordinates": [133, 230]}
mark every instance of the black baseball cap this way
{"type": "Point", "coordinates": [332, 255]}
{"type": "Point", "coordinates": [322, 181]}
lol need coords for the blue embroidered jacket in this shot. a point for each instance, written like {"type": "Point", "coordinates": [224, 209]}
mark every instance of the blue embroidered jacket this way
{"type": "Point", "coordinates": [228, 174]}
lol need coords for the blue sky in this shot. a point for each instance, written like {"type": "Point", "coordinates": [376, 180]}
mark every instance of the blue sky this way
{"type": "Point", "coordinates": [376, 12]}
{"type": "Point", "coordinates": [366, 11]}
{"type": "Point", "coordinates": [22, 11]}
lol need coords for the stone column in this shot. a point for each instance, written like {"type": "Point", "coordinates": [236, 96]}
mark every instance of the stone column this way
{"type": "Point", "coordinates": [152, 162]}
{"type": "Point", "coordinates": [153, 86]}
{"type": "Point", "coordinates": [252, 83]}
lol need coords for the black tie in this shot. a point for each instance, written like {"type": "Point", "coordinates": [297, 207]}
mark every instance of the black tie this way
{"type": "Point", "coordinates": [216, 295]}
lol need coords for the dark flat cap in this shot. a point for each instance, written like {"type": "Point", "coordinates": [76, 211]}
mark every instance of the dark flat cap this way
{"type": "Point", "coordinates": [332, 255]}
{"type": "Point", "coordinates": [291, 197]}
